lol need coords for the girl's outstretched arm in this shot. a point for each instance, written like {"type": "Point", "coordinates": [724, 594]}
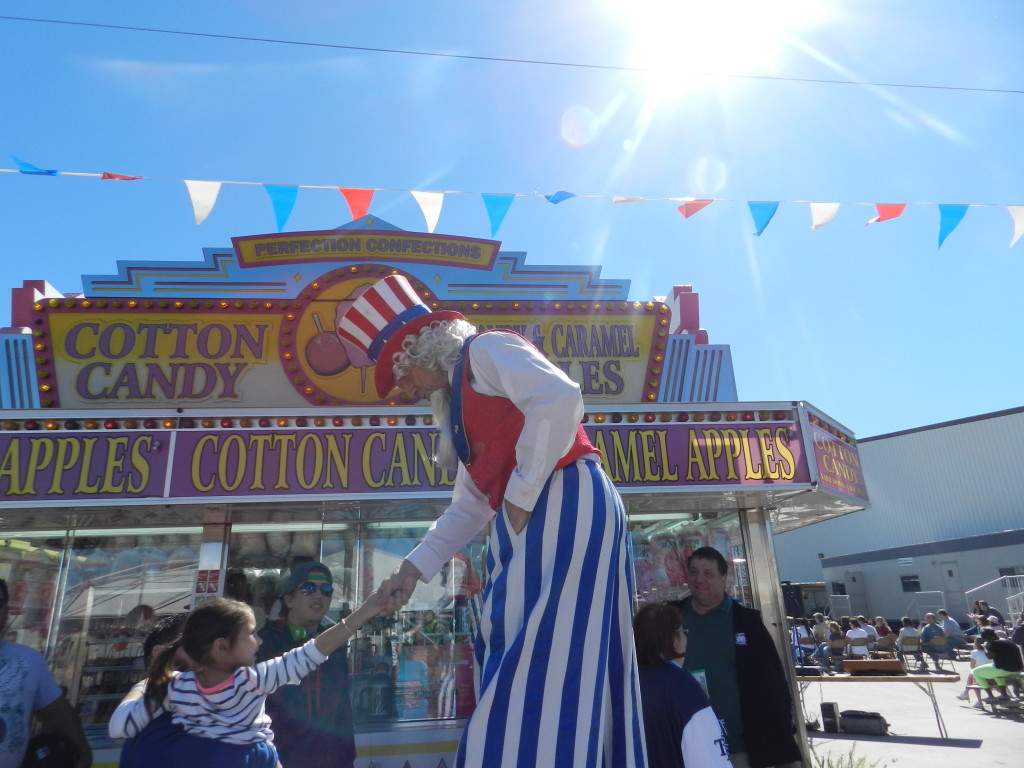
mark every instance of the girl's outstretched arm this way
{"type": "Point", "coordinates": [330, 640]}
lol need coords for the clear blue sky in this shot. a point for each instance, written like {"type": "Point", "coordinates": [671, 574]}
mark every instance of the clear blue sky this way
{"type": "Point", "coordinates": [874, 325]}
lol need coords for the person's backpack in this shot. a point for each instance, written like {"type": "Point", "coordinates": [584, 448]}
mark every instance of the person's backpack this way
{"type": "Point", "coordinates": [867, 723]}
{"type": "Point", "coordinates": [49, 750]}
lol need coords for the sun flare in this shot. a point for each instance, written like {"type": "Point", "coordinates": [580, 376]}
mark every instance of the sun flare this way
{"type": "Point", "coordinates": [678, 42]}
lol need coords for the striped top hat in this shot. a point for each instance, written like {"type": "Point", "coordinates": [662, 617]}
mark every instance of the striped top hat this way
{"type": "Point", "coordinates": [380, 320]}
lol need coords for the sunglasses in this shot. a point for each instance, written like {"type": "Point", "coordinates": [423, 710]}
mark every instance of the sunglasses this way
{"type": "Point", "coordinates": [310, 587]}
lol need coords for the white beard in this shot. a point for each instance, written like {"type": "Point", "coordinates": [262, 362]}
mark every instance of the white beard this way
{"type": "Point", "coordinates": [441, 405]}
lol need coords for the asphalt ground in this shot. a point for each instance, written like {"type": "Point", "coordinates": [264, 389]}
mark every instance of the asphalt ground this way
{"type": "Point", "coordinates": [973, 737]}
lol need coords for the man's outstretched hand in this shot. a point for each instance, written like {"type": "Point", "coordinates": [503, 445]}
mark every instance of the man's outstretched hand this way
{"type": "Point", "coordinates": [397, 588]}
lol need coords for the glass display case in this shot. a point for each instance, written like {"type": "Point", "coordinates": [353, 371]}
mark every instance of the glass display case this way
{"type": "Point", "coordinates": [87, 594]}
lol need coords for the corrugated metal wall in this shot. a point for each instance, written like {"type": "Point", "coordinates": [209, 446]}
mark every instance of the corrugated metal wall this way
{"type": "Point", "coordinates": [933, 484]}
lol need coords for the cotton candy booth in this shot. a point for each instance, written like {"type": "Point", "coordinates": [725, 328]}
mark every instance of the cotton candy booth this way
{"type": "Point", "coordinates": [187, 429]}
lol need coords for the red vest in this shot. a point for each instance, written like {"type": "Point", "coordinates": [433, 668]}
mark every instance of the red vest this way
{"type": "Point", "coordinates": [492, 427]}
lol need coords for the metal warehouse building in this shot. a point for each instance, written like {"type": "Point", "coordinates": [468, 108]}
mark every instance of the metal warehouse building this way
{"type": "Point", "coordinates": [946, 525]}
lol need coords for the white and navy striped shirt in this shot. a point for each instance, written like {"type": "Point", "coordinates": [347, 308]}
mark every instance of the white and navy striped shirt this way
{"type": "Point", "coordinates": [233, 711]}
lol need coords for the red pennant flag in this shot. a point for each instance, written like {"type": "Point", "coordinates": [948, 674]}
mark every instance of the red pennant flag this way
{"type": "Point", "coordinates": [690, 208]}
{"type": "Point", "coordinates": [358, 201]}
{"type": "Point", "coordinates": [888, 211]}
{"type": "Point", "coordinates": [119, 177]}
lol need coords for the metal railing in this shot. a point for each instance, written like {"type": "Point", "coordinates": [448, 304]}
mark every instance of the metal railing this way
{"type": "Point", "coordinates": [925, 602]}
{"type": "Point", "coordinates": [1005, 594]}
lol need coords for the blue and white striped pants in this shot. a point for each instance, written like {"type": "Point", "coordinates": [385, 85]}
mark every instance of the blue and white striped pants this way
{"type": "Point", "coordinates": [556, 668]}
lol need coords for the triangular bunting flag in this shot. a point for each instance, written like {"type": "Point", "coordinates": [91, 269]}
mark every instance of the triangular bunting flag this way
{"type": "Point", "coordinates": [559, 197]}
{"type": "Point", "coordinates": [497, 206]}
{"type": "Point", "coordinates": [31, 170]}
{"type": "Point", "coordinates": [887, 211]}
{"type": "Point", "coordinates": [283, 199]}
{"type": "Point", "coordinates": [119, 177]}
{"type": "Point", "coordinates": [358, 201]}
{"type": "Point", "coordinates": [691, 207]}
{"type": "Point", "coordinates": [1017, 214]}
{"type": "Point", "coordinates": [762, 214]}
{"type": "Point", "coordinates": [204, 196]}
{"type": "Point", "coordinates": [618, 199]}
{"type": "Point", "coordinates": [430, 204]}
{"type": "Point", "coordinates": [822, 214]}
{"type": "Point", "coordinates": [949, 217]}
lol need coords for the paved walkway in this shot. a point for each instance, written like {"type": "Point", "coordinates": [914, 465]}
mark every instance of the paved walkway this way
{"type": "Point", "coordinates": [974, 737]}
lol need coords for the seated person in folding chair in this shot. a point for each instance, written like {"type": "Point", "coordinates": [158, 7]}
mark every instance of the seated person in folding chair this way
{"type": "Point", "coordinates": [909, 643]}
{"type": "Point", "coordinates": [857, 640]}
{"type": "Point", "coordinates": [954, 633]}
{"type": "Point", "coordinates": [885, 648]}
{"type": "Point", "coordinates": [931, 631]}
{"type": "Point", "coordinates": [867, 626]}
{"type": "Point", "coordinates": [827, 658]}
{"type": "Point", "coordinates": [801, 640]}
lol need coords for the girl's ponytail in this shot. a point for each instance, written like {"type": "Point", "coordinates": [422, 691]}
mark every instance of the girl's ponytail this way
{"type": "Point", "coordinates": [159, 676]}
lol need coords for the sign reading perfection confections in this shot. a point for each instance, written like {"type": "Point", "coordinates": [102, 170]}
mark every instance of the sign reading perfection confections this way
{"type": "Point", "coordinates": [218, 463]}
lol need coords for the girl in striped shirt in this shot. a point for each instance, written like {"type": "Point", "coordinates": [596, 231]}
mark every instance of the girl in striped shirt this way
{"type": "Point", "coordinates": [223, 695]}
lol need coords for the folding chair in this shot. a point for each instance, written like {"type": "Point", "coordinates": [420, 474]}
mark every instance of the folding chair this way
{"type": "Point", "coordinates": [885, 648]}
{"type": "Point", "coordinates": [938, 649]}
{"type": "Point", "coordinates": [910, 646]}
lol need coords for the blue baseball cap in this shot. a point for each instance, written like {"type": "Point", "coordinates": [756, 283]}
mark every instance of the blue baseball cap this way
{"type": "Point", "coordinates": [307, 572]}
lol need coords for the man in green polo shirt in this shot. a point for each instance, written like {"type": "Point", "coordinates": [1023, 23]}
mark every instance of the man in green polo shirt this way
{"type": "Point", "coordinates": [732, 654]}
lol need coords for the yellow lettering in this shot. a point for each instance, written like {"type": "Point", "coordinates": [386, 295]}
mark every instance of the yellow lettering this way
{"type": "Point", "coordinates": [282, 463]}
{"type": "Point", "coordinates": [231, 454]}
{"type": "Point", "coordinates": [338, 459]}
{"type": "Point", "coordinates": [10, 468]}
{"type": "Point", "coordinates": [116, 447]}
{"type": "Point", "coordinates": [309, 442]}
{"type": "Point", "coordinates": [140, 464]}
{"type": "Point", "coordinates": [733, 448]}
{"type": "Point", "coordinates": [197, 463]}
{"type": "Point", "coordinates": [695, 456]}
{"type": "Point", "coordinates": [786, 459]}
{"type": "Point", "coordinates": [666, 473]}
{"type": "Point", "coordinates": [373, 482]}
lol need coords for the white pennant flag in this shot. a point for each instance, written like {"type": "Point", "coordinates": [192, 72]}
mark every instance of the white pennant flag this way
{"type": "Point", "coordinates": [618, 199]}
{"type": "Point", "coordinates": [1017, 212]}
{"type": "Point", "coordinates": [822, 214]}
{"type": "Point", "coordinates": [430, 204]}
{"type": "Point", "coordinates": [204, 197]}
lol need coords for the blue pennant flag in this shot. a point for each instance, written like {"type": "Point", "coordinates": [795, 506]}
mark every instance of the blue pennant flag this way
{"type": "Point", "coordinates": [949, 217]}
{"type": "Point", "coordinates": [497, 206]}
{"type": "Point", "coordinates": [30, 169]}
{"type": "Point", "coordinates": [558, 197]}
{"type": "Point", "coordinates": [283, 199]}
{"type": "Point", "coordinates": [762, 214]}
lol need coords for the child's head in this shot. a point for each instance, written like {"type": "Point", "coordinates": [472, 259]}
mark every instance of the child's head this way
{"type": "Point", "coordinates": [227, 624]}
{"type": "Point", "coordinates": [214, 620]}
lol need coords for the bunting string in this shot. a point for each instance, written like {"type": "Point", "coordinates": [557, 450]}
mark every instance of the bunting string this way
{"type": "Point", "coordinates": [203, 196]}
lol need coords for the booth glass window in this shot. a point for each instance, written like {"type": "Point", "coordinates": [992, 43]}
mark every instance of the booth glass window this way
{"type": "Point", "coordinates": [87, 595]}
{"type": "Point", "coordinates": [415, 665]}
{"type": "Point", "coordinates": [663, 542]}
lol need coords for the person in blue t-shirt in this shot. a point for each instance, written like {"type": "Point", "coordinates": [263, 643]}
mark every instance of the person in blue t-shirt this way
{"type": "Point", "coordinates": [680, 727]}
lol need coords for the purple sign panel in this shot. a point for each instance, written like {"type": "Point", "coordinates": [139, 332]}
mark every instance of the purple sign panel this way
{"type": "Point", "coordinates": [838, 464]}
{"type": "Point", "coordinates": [387, 461]}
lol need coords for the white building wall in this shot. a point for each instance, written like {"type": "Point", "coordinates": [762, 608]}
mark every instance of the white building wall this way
{"type": "Point", "coordinates": [940, 482]}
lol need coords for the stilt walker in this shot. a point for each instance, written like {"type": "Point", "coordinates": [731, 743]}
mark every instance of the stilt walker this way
{"type": "Point", "coordinates": [556, 669]}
